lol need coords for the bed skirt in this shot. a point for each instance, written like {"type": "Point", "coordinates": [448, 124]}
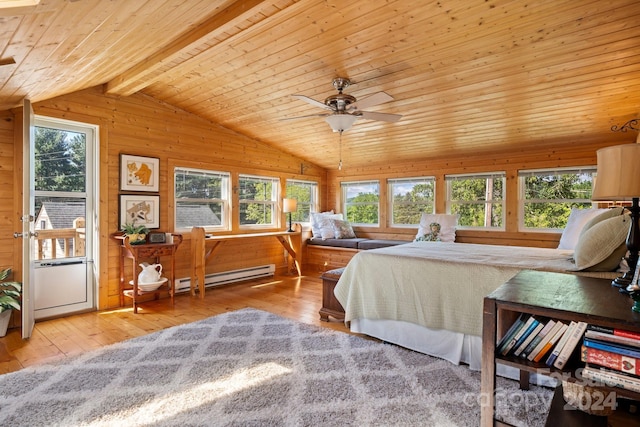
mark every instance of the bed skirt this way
{"type": "Point", "coordinates": [454, 347]}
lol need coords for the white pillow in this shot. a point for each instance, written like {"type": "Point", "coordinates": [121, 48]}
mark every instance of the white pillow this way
{"type": "Point", "coordinates": [599, 242]}
{"type": "Point", "coordinates": [577, 220]}
{"type": "Point", "coordinates": [447, 224]}
{"type": "Point", "coordinates": [317, 221]}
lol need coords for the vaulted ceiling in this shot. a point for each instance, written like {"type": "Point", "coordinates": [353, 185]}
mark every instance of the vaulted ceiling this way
{"type": "Point", "coordinates": [467, 76]}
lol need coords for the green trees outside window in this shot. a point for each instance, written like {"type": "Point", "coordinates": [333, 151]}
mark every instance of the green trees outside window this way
{"type": "Point", "coordinates": [478, 200]}
{"type": "Point", "coordinates": [410, 197]}
{"type": "Point", "coordinates": [306, 193]}
{"type": "Point", "coordinates": [549, 196]}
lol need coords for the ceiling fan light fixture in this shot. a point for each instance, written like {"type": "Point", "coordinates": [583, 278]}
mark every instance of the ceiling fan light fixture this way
{"type": "Point", "coordinates": [341, 122]}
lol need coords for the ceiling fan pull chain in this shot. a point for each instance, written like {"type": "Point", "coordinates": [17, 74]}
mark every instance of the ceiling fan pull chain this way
{"type": "Point", "coordinates": [340, 162]}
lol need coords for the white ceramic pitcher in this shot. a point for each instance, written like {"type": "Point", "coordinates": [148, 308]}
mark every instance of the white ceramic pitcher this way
{"type": "Point", "coordinates": [150, 273]}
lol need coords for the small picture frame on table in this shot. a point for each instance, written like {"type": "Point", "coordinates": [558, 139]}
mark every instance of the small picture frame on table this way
{"type": "Point", "coordinates": [140, 209]}
{"type": "Point", "coordinates": [139, 173]}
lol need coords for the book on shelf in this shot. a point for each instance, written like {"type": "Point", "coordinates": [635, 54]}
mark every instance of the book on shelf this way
{"type": "Point", "coordinates": [528, 331]}
{"type": "Point", "coordinates": [607, 359]}
{"type": "Point", "coordinates": [570, 345]}
{"type": "Point", "coordinates": [552, 341]}
{"type": "Point", "coordinates": [614, 331]}
{"type": "Point", "coordinates": [560, 344]}
{"type": "Point", "coordinates": [530, 337]}
{"type": "Point", "coordinates": [521, 331]}
{"type": "Point", "coordinates": [614, 348]}
{"type": "Point", "coordinates": [513, 329]}
{"type": "Point", "coordinates": [612, 378]}
{"type": "Point", "coordinates": [544, 341]}
{"type": "Point", "coordinates": [534, 343]}
{"type": "Point", "coordinates": [617, 339]}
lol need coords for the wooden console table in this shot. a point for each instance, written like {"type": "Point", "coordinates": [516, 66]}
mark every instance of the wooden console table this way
{"type": "Point", "coordinates": [203, 249]}
{"type": "Point", "coordinates": [138, 253]}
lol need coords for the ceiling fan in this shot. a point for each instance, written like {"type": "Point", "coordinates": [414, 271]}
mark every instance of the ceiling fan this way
{"type": "Point", "coordinates": [346, 109]}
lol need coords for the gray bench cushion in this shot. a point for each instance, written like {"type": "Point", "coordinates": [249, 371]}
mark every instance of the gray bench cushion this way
{"type": "Point", "coordinates": [337, 243]}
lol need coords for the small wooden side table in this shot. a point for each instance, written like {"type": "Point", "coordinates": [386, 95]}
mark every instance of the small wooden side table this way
{"type": "Point", "coordinates": [139, 253]}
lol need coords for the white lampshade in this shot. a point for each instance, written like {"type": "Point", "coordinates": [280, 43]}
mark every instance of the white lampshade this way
{"type": "Point", "coordinates": [289, 205]}
{"type": "Point", "coordinates": [340, 122]}
{"type": "Point", "coordinates": [618, 175]}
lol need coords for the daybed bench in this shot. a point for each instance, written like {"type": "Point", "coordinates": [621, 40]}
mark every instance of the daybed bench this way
{"type": "Point", "coordinates": [327, 254]}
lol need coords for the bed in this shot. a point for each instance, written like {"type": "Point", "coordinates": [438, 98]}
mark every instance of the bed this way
{"type": "Point", "coordinates": [427, 296]}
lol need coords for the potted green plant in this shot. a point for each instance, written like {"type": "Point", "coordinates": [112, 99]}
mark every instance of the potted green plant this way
{"type": "Point", "coordinates": [9, 299]}
{"type": "Point", "coordinates": [136, 233]}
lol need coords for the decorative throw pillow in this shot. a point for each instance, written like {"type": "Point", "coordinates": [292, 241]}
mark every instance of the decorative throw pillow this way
{"type": "Point", "coordinates": [608, 213]}
{"type": "Point", "coordinates": [326, 229]}
{"type": "Point", "coordinates": [601, 241]}
{"type": "Point", "coordinates": [342, 229]}
{"type": "Point", "coordinates": [576, 222]}
{"type": "Point", "coordinates": [317, 221]}
{"type": "Point", "coordinates": [428, 228]}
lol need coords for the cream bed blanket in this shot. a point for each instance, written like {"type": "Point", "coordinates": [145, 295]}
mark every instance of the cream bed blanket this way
{"type": "Point", "coordinates": [439, 285]}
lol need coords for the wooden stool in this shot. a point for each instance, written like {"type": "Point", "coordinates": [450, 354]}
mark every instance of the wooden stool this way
{"type": "Point", "coordinates": [330, 305]}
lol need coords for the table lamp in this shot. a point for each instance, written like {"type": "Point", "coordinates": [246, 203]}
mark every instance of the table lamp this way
{"type": "Point", "coordinates": [618, 179]}
{"type": "Point", "coordinates": [288, 206]}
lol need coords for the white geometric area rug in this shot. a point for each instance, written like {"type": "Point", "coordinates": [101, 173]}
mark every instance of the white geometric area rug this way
{"type": "Point", "coordinates": [252, 368]}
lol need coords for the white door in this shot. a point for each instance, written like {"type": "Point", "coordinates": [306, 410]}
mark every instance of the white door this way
{"type": "Point", "coordinates": [27, 234]}
{"type": "Point", "coordinates": [62, 189]}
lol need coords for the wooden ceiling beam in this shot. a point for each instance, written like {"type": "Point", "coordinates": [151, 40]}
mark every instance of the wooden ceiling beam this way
{"type": "Point", "coordinates": [150, 70]}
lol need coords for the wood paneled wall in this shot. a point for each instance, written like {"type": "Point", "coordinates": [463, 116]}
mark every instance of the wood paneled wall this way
{"type": "Point", "coordinates": [140, 125]}
{"type": "Point", "coordinates": [526, 158]}
{"type": "Point", "coordinates": [7, 189]}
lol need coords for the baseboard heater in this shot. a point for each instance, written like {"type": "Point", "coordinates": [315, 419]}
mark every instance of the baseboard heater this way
{"type": "Point", "coordinates": [216, 279]}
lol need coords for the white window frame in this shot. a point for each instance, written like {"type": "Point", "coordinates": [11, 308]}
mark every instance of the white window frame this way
{"type": "Point", "coordinates": [272, 203]}
{"type": "Point", "coordinates": [522, 174]}
{"type": "Point", "coordinates": [224, 200]}
{"type": "Point", "coordinates": [488, 202]}
{"type": "Point", "coordinates": [303, 207]}
{"type": "Point", "coordinates": [345, 186]}
{"type": "Point", "coordinates": [391, 184]}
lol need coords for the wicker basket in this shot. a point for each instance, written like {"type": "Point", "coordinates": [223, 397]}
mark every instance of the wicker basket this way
{"type": "Point", "coordinates": [591, 399]}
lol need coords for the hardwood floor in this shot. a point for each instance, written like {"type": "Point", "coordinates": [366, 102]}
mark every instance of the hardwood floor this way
{"type": "Point", "coordinates": [297, 298]}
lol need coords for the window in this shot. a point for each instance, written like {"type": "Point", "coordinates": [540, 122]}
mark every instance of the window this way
{"type": "Point", "coordinates": [410, 197]}
{"type": "Point", "coordinates": [478, 200]}
{"type": "Point", "coordinates": [258, 200]}
{"type": "Point", "coordinates": [547, 196]}
{"type": "Point", "coordinates": [306, 193]}
{"type": "Point", "coordinates": [202, 199]}
{"type": "Point", "coordinates": [361, 202]}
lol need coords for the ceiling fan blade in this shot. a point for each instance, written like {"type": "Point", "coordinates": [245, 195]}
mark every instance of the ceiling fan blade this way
{"type": "Point", "coordinates": [312, 102]}
{"type": "Point", "coordinates": [385, 117]}
{"type": "Point", "coordinates": [370, 101]}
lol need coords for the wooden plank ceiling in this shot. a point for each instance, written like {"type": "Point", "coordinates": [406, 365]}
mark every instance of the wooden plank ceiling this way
{"type": "Point", "coordinates": [468, 76]}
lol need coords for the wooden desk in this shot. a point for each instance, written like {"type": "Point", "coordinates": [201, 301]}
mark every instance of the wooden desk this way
{"type": "Point", "coordinates": [203, 249]}
{"type": "Point", "coordinates": [138, 253]}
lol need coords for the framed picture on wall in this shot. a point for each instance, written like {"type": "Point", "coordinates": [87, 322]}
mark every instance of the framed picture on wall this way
{"type": "Point", "coordinates": [139, 173]}
{"type": "Point", "coordinates": [140, 209]}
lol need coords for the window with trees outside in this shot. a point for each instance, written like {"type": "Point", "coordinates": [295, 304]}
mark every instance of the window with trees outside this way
{"type": "Point", "coordinates": [547, 196]}
{"type": "Point", "coordinates": [361, 202]}
{"type": "Point", "coordinates": [306, 193]}
{"type": "Point", "coordinates": [410, 197]}
{"type": "Point", "coordinates": [202, 199]}
{"type": "Point", "coordinates": [258, 200]}
{"type": "Point", "coordinates": [477, 199]}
